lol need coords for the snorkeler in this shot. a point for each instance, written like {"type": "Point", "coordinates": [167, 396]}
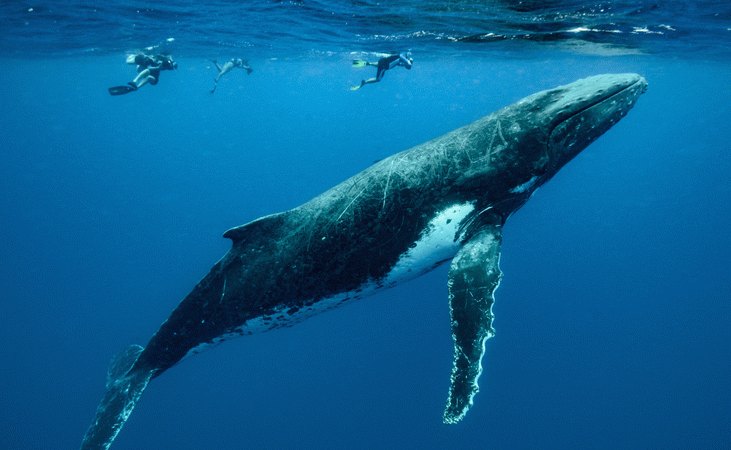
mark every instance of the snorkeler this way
{"type": "Point", "coordinates": [383, 64]}
{"type": "Point", "coordinates": [148, 68]}
{"type": "Point", "coordinates": [240, 63]}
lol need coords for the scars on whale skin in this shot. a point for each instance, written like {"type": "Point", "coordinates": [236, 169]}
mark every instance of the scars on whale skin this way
{"type": "Point", "coordinates": [444, 200]}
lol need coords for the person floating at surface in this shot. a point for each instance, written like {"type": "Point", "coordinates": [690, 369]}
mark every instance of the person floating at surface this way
{"type": "Point", "coordinates": [148, 68]}
{"type": "Point", "coordinates": [240, 63]}
{"type": "Point", "coordinates": [383, 64]}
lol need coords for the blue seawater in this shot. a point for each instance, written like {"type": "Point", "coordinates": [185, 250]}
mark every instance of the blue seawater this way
{"type": "Point", "coordinates": [613, 317]}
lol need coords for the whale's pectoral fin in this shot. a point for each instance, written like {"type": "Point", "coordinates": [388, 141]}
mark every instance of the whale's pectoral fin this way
{"type": "Point", "coordinates": [473, 277]}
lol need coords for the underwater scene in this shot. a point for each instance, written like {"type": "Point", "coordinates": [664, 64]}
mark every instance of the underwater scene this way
{"type": "Point", "coordinates": [383, 172]}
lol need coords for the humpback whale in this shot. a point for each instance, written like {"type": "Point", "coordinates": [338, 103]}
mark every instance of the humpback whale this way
{"type": "Point", "coordinates": [446, 199]}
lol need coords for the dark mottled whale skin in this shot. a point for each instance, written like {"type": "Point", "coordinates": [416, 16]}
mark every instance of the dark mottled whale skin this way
{"type": "Point", "coordinates": [446, 199]}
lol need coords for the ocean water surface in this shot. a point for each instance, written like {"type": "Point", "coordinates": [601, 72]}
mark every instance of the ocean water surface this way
{"type": "Point", "coordinates": [612, 319]}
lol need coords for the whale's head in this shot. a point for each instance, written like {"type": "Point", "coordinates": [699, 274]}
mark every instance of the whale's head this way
{"type": "Point", "coordinates": [577, 114]}
{"type": "Point", "coordinates": [546, 130]}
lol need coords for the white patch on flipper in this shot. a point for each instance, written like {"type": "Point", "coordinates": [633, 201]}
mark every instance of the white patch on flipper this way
{"type": "Point", "coordinates": [437, 243]}
{"type": "Point", "coordinates": [525, 186]}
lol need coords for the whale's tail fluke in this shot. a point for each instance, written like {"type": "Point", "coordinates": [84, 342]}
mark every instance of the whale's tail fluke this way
{"type": "Point", "coordinates": [124, 388]}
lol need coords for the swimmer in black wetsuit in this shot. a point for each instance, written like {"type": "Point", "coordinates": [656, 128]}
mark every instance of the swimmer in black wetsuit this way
{"type": "Point", "coordinates": [240, 63]}
{"type": "Point", "coordinates": [148, 68]}
{"type": "Point", "coordinates": [383, 64]}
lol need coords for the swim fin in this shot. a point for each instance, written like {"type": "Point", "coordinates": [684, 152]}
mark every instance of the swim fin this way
{"type": "Point", "coordinates": [119, 90]}
{"type": "Point", "coordinates": [359, 63]}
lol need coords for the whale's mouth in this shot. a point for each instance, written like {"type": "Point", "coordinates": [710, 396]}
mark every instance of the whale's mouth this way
{"type": "Point", "coordinates": [600, 96]}
{"type": "Point", "coordinates": [588, 111]}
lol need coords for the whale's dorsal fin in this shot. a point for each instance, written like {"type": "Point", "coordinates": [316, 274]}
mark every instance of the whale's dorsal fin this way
{"type": "Point", "coordinates": [257, 228]}
{"type": "Point", "coordinates": [473, 277]}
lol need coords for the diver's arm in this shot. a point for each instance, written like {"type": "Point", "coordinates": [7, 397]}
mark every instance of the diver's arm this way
{"type": "Point", "coordinates": [406, 62]}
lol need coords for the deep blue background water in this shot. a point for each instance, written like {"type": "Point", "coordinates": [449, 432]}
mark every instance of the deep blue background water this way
{"type": "Point", "coordinates": [612, 320]}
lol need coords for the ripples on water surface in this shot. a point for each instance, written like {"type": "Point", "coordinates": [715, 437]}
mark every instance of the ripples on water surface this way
{"type": "Point", "coordinates": [276, 28]}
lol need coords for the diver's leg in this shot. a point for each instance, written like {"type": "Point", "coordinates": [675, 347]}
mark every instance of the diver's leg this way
{"type": "Point", "coordinates": [224, 70]}
{"type": "Point", "coordinates": [142, 78]}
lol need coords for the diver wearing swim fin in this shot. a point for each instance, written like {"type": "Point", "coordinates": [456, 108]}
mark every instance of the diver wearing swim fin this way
{"type": "Point", "coordinates": [148, 68]}
{"type": "Point", "coordinates": [240, 63]}
{"type": "Point", "coordinates": [383, 64]}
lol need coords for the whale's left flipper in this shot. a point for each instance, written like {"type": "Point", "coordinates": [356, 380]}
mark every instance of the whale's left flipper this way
{"type": "Point", "coordinates": [124, 388]}
{"type": "Point", "coordinates": [473, 277]}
